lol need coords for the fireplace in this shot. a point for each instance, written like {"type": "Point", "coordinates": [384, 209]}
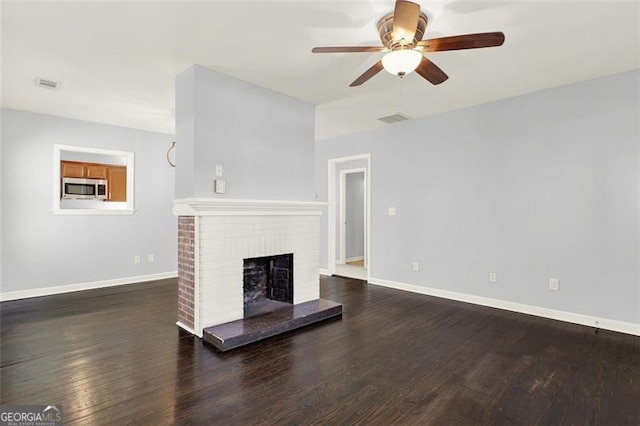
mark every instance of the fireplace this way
{"type": "Point", "coordinates": [238, 259]}
{"type": "Point", "coordinates": [267, 283]}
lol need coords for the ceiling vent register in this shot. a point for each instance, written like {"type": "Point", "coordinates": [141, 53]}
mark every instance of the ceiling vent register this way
{"type": "Point", "coordinates": [395, 118]}
{"type": "Point", "coordinates": [48, 84]}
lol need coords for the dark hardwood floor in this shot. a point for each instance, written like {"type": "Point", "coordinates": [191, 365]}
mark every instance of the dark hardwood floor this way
{"type": "Point", "coordinates": [115, 356]}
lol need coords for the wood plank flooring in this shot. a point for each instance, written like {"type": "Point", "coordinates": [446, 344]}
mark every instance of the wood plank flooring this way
{"type": "Point", "coordinates": [115, 356]}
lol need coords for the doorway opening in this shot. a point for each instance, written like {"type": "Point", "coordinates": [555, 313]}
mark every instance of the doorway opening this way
{"type": "Point", "coordinates": [351, 260]}
{"type": "Point", "coordinates": [349, 216]}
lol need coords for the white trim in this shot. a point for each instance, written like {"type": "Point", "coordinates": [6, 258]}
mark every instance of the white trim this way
{"type": "Point", "coordinates": [93, 211]}
{"type": "Point", "coordinates": [90, 150]}
{"type": "Point", "coordinates": [186, 328]}
{"type": "Point", "coordinates": [587, 320]}
{"type": "Point", "coordinates": [324, 272]}
{"type": "Point", "coordinates": [367, 210]}
{"type": "Point", "coordinates": [354, 259]}
{"type": "Point", "coordinates": [239, 207]}
{"type": "Point", "coordinates": [331, 216]}
{"type": "Point", "coordinates": [48, 291]}
{"type": "Point", "coordinates": [342, 218]}
{"type": "Point", "coordinates": [56, 176]}
{"type": "Point", "coordinates": [197, 290]}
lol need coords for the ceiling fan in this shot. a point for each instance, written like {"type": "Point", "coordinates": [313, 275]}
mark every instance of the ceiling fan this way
{"type": "Point", "coordinates": [401, 33]}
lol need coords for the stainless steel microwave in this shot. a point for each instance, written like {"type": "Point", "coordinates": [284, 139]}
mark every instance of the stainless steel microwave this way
{"type": "Point", "coordinates": [90, 189]}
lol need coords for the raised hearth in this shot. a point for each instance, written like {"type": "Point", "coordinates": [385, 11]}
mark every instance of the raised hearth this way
{"type": "Point", "coordinates": [264, 325]}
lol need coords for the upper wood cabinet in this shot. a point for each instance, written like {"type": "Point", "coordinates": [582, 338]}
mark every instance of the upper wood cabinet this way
{"type": "Point", "coordinates": [117, 183]}
{"type": "Point", "coordinates": [83, 170]}
{"type": "Point", "coordinates": [73, 169]}
{"type": "Point", "coordinates": [97, 171]}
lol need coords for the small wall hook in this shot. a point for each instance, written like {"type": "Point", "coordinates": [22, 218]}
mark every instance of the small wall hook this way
{"type": "Point", "coordinates": [173, 145]}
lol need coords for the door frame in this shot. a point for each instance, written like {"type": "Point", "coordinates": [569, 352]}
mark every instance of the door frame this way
{"type": "Point", "coordinates": [343, 214]}
{"type": "Point", "coordinates": [332, 214]}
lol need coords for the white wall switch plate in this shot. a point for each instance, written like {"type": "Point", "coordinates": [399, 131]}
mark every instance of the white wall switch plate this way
{"type": "Point", "coordinates": [554, 284]}
{"type": "Point", "coordinates": [391, 211]}
{"type": "Point", "coordinates": [493, 277]}
{"type": "Point", "coordinates": [218, 170]}
{"type": "Point", "coordinates": [415, 266]}
{"type": "Point", "coordinates": [151, 258]}
{"type": "Point", "coordinates": [220, 186]}
{"type": "Point", "coordinates": [136, 258]}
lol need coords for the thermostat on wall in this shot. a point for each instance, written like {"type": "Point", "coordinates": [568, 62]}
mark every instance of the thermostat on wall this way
{"type": "Point", "coordinates": [219, 186]}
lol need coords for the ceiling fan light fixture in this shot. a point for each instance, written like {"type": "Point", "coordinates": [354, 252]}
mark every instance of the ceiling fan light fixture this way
{"type": "Point", "coordinates": [402, 61]}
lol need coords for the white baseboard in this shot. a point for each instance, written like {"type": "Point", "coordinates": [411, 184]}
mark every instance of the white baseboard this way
{"type": "Point", "coordinates": [591, 321]}
{"type": "Point", "coordinates": [354, 259]}
{"type": "Point", "coordinates": [323, 271]}
{"type": "Point", "coordinates": [48, 291]}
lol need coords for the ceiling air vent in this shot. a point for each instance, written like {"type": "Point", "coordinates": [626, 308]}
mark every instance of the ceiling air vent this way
{"type": "Point", "coordinates": [395, 118]}
{"type": "Point", "coordinates": [48, 84]}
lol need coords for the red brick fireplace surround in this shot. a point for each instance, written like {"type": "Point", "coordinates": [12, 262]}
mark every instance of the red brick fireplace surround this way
{"type": "Point", "coordinates": [186, 276]}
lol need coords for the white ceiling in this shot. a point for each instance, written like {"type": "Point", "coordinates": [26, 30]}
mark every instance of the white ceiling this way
{"type": "Point", "coordinates": [117, 61]}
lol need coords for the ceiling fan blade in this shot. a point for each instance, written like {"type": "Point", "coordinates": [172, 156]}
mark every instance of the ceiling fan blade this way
{"type": "Point", "coordinates": [459, 42]}
{"type": "Point", "coordinates": [347, 49]}
{"type": "Point", "coordinates": [375, 69]}
{"type": "Point", "coordinates": [405, 20]}
{"type": "Point", "coordinates": [430, 71]}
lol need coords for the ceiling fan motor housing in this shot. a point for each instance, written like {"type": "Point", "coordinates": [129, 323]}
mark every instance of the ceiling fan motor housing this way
{"type": "Point", "coordinates": [385, 29]}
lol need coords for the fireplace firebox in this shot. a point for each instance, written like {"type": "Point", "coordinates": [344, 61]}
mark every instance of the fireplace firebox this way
{"type": "Point", "coordinates": [266, 280]}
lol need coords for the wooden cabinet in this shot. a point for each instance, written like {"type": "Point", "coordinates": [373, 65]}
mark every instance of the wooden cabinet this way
{"type": "Point", "coordinates": [73, 169]}
{"type": "Point", "coordinates": [117, 177]}
{"type": "Point", "coordinates": [83, 170]}
{"type": "Point", "coordinates": [96, 171]}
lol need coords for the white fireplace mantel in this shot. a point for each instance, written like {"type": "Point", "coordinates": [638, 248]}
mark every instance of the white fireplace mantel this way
{"type": "Point", "coordinates": [245, 207]}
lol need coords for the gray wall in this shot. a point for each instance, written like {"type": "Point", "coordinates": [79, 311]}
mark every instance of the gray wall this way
{"type": "Point", "coordinates": [41, 249]}
{"type": "Point", "coordinates": [538, 186]}
{"type": "Point", "coordinates": [264, 140]}
{"type": "Point", "coordinates": [354, 212]}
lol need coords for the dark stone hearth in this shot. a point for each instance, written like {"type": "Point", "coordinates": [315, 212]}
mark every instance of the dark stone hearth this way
{"type": "Point", "coordinates": [263, 325]}
{"type": "Point", "coordinates": [263, 307]}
